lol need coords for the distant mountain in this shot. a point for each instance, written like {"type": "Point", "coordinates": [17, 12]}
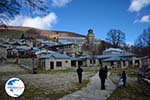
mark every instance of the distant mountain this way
{"type": "Point", "coordinates": [17, 31]}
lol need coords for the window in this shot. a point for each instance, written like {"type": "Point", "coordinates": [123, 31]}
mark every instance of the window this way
{"type": "Point", "coordinates": [94, 61]}
{"type": "Point", "coordinates": [124, 63]}
{"type": "Point", "coordinates": [66, 61]}
{"type": "Point", "coordinates": [59, 64]}
{"type": "Point", "coordinates": [43, 64]}
{"type": "Point", "coordinates": [90, 61]}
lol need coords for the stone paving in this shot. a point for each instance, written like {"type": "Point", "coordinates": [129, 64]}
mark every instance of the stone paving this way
{"type": "Point", "coordinates": [92, 91]}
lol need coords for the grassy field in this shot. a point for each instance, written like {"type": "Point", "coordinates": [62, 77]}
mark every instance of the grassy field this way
{"type": "Point", "coordinates": [133, 89]}
{"type": "Point", "coordinates": [35, 93]}
{"type": "Point", "coordinates": [69, 70]}
{"type": "Point", "coordinates": [132, 92]}
{"type": "Point", "coordinates": [32, 92]}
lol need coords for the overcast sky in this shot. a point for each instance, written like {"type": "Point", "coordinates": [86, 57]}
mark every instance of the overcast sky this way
{"type": "Point", "coordinates": [130, 16]}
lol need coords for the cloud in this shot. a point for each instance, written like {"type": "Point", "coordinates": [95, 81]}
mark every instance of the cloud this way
{"type": "Point", "coordinates": [137, 5]}
{"type": "Point", "coordinates": [44, 22]}
{"type": "Point", "coordinates": [144, 19]}
{"type": "Point", "coordinates": [60, 3]}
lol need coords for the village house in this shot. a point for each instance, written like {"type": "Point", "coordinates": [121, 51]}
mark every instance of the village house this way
{"type": "Point", "coordinates": [89, 61]}
{"type": "Point", "coordinates": [54, 61]}
{"type": "Point", "coordinates": [145, 61]}
{"type": "Point", "coordinates": [40, 53]}
{"type": "Point", "coordinates": [77, 40]}
{"type": "Point", "coordinates": [4, 39]}
{"type": "Point", "coordinates": [3, 52]}
{"type": "Point", "coordinates": [112, 58]}
{"type": "Point", "coordinates": [25, 42]}
{"type": "Point", "coordinates": [68, 48]}
{"type": "Point", "coordinates": [26, 51]}
{"type": "Point", "coordinates": [117, 58]}
{"type": "Point", "coordinates": [144, 71]}
{"type": "Point", "coordinates": [85, 61]}
{"type": "Point", "coordinates": [12, 52]}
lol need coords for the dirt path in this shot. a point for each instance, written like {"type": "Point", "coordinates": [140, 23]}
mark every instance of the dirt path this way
{"type": "Point", "coordinates": [92, 91]}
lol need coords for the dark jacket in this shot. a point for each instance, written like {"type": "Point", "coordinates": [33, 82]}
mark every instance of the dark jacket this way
{"type": "Point", "coordinates": [123, 76]}
{"type": "Point", "coordinates": [102, 73]}
{"type": "Point", "coordinates": [79, 71]}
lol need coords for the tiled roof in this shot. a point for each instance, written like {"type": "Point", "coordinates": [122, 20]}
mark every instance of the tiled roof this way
{"type": "Point", "coordinates": [44, 51]}
{"type": "Point", "coordinates": [56, 55]}
{"type": "Point", "coordinates": [126, 54]}
{"type": "Point", "coordinates": [113, 49]}
{"type": "Point", "coordinates": [2, 46]}
{"type": "Point", "coordinates": [58, 44]}
{"type": "Point", "coordinates": [87, 57]}
{"type": "Point", "coordinates": [115, 59]}
{"type": "Point", "coordinates": [23, 47]}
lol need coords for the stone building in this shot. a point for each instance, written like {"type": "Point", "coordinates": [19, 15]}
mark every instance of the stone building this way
{"type": "Point", "coordinates": [90, 47]}
{"type": "Point", "coordinates": [54, 61]}
{"type": "Point", "coordinates": [117, 58]}
{"type": "Point", "coordinates": [3, 52]}
{"type": "Point", "coordinates": [90, 37]}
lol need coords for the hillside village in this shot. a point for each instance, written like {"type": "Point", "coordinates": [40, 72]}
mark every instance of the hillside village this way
{"type": "Point", "coordinates": [74, 49]}
{"type": "Point", "coordinates": [49, 59]}
{"type": "Point", "coordinates": [67, 51]}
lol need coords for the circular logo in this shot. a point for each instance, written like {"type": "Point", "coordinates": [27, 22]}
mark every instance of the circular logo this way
{"type": "Point", "coordinates": [14, 87]}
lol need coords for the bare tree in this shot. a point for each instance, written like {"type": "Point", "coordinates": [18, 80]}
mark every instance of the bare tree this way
{"type": "Point", "coordinates": [116, 38]}
{"type": "Point", "coordinates": [10, 8]}
{"type": "Point", "coordinates": [142, 43]}
{"type": "Point", "coordinates": [143, 40]}
{"type": "Point", "coordinates": [102, 46]}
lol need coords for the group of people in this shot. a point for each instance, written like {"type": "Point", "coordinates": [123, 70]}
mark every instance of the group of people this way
{"type": "Point", "coordinates": [103, 76]}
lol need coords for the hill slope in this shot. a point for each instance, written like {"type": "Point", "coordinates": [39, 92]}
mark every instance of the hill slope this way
{"type": "Point", "coordinates": [17, 31]}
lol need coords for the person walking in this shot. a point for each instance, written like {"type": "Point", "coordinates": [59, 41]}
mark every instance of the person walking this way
{"type": "Point", "coordinates": [79, 72]}
{"type": "Point", "coordinates": [103, 76]}
{"type": "Point", "coordinates": [106, 71]}
{"type": "Point", "coordinates": [124, 77]}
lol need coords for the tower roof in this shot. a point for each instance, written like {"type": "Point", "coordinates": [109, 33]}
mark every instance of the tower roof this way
{"type": "Point", "coordinates": [90, 33]}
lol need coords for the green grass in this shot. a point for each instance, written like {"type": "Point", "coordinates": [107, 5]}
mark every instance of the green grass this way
{"type": "Point", "coordinates": [55, 71]}
{"type": "Point", "coordinates": [11, 74]}
{"type": "Point", "coordinates": [118, 71]}
{"type": "Point", "coordinates": [10, 61]}
{"type": "Point", "coordinates": [121, 93]}
{"type": "Point", "coordinates": [128, 71]}
{"type": "Point", "coordinates": [78, 86]}
{"type": "Point", "coordinates": [32, 92]}
{"type": "Point", "coordinates": [40, 71]}
{"type": "Point", "coordinates": [133, 90]}
{"type": "Point", "coordinates": [91, 70]}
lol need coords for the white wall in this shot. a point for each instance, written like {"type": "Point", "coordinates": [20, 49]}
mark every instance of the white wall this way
{"type": "Point", "coordinates": [90, 64]}
{"type": "Point", "coordinates": [66, 63]}
{"type": "Point", "coordinates": [3, 52]}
